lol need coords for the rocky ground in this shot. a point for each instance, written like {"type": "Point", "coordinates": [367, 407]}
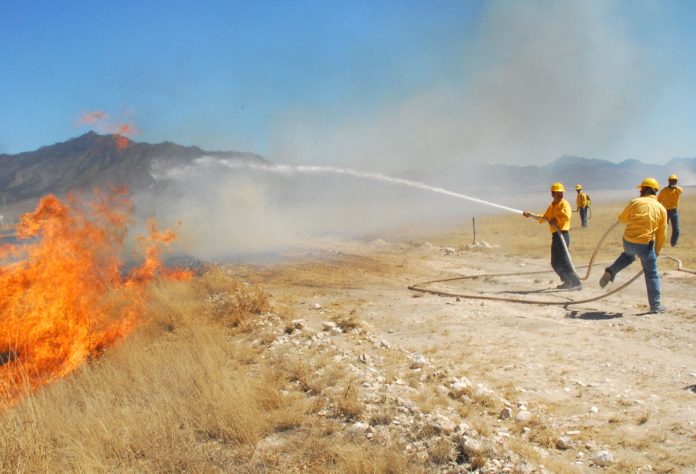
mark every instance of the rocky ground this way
{"type": "Point", "coordinates": [466, 384]}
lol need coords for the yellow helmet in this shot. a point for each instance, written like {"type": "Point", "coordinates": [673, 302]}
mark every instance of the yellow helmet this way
{"type": "Point", "coordinates": [673, 177]}
{"type": "Point", "coordinates": [649, 183]}
{"type": "Point", "coordinates": [578, 186]}
{"type": "Point", "coordinates": [557, 187]}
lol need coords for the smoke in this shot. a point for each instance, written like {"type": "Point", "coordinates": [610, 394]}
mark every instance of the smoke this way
{"type": "Point", "coordinates": [540, 80]}
{"type": "Point", "coordinates": [231, 208]}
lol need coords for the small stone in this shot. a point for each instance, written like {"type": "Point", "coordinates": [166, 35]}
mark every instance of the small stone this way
{"type": "Point", "coordinates": [316, 306]}
{"type": "Point", "coordinates": [564, 442]}
{"type": "Point", "coordinates": [523, 416]}
{"type": "Point", "coordinates": [297, 324]}
{"type": "Point", "coordinates": [472, 447]}
{"type": "Point", "coordinates": [364, 358]}
{"type": "Point", "coordinates": [418, 361]}
{"type": "Point", "coordinates": [358, 427]}
{"type": "Point", "coordinates": [594, 410]}
{"type": "Point", "coordinates": [505, 413]}
{"type": "Point", "coordinates": [329, 325]}
{"type": "Point", "coordinates": [336, 331]}
{"type": "Point", "coordinates": [603, 458]}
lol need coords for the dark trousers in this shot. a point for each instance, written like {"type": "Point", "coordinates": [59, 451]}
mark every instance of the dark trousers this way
{"type": "Point", "coordinates": [559, 258]}
{"type": "Point", "coordinates": [583, 216]}
{"type": "Point", "coordinates": [673, 218]}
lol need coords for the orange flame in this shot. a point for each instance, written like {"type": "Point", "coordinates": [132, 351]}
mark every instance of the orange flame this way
{"type": "Point", "coordinates": [102, 123]}
{"type": "Point", "coordinates": [63, 298]}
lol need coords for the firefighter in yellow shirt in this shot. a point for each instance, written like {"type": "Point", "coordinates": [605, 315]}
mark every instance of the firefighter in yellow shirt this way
{"type": "Point", "coordinates": [644, 237]}
{"type": "Point", "coordinates": [582, 204]}
{"type": "Point", "coordinates": [558, 215]}
{"type": "Point", "coordinates": [669, 197]}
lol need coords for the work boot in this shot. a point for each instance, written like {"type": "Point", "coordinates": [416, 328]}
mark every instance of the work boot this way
{"type": "Point", "coordinates": [658, 310]}
{"type": "Point", "coordinates": [606, 278]}
{"type": "Point", "coordinates": [572, 286]}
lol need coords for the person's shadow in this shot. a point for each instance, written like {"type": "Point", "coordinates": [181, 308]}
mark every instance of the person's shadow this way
{"type": "Point", "coordinates": [593, 315]}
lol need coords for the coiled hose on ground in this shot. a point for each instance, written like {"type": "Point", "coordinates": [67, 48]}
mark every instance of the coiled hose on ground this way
{"type": "Point", "coordinates": [423, 287]}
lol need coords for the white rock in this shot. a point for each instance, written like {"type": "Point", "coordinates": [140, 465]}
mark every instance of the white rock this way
{"type": "Point", "coordinates": [564, 442]}
{"type": "Point", "coordinates": [594, 410]}
{"type": "Point", "coordinates": [316, 306]}
{"type": "Point", "coordinates": [358, 427]}
{"type": "Point", "coordinates": [449, 251]}
{"type": "Point", "coordinates": [523, 416]}
{"type": "Point", "coordinates": [336, 331]}
{"type": "Point", "coordinates": [297, 324]}
{"type": "Point", "coordinates": [441, 424]}
{"type": "Point", "coordinates": [603, 458]}
{"type": "Point", "coordinates": [418, 361]}
{"type": "Point", "coordinates": [460, 387]}
{"type": "Point", "coordinates": [472, 447]}
{"type": "Point", "coordinates": [329, 325]}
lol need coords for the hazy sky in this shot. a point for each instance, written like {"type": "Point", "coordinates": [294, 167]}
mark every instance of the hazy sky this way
{"type": "Point", "coordinates": [384, 85]}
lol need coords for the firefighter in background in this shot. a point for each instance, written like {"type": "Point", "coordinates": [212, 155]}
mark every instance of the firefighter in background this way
{"type": "Point", "coordinates": [558, 215]}
{"type": "Point", "coordinates": [669, 197]}
{"type": "Point", "coordinates": [583, 204]}
{"type": "Point", "coordinates": [646, 225]}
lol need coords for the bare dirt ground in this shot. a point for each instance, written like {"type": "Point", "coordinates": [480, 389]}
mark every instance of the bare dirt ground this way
{"type": "Point", "coordinates": [605, 375]}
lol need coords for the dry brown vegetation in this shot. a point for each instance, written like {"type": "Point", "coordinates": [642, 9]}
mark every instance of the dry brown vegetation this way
{"type": "Point", "coordinates": [189, 392]}
{"type": "Point", "coordinates": [198, 387]}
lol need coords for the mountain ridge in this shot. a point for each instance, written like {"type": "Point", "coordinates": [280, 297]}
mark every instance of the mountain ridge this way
{"type": "Point", "coordinates": [91, 160]}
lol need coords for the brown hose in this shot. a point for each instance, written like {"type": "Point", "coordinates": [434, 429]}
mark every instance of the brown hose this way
{"type": "Point", "coordinates": [420, 287]}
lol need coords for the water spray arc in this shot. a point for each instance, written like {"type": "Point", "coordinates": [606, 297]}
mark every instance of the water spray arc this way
{"type": "Point", "coordinates": [303, 169]}
{"type": "Point", "coordinates": [289, 170]}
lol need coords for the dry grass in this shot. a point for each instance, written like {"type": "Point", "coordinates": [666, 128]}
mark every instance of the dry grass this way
{"type": "Point", "coordinates": [188, 393]}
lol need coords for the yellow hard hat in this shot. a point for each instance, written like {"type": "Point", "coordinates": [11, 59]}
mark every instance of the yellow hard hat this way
{"type": "Point", "coordinates": [674, 177]}
{"type": "Point", "coordinates": [649, 183]}
{"type": "Point", "coordinates": [556, 187]}
{"type": "Point", "coordinates": [578, 186]}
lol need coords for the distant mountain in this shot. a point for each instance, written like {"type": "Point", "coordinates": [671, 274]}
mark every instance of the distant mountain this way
{"type": "Point", "coordinates": [93, 160]}
{"type": "Point", "coordinates": [571, 170]}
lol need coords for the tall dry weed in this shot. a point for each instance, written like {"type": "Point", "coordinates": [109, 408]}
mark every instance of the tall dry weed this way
{"type": "Point", "coordinates": [188, 392]}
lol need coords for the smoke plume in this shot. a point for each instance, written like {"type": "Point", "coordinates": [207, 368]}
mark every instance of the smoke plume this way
{"type": "Point", "coordinates": [540, 80]}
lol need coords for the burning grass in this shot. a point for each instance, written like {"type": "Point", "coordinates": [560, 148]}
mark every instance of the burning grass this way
{"type": "Point", "coordinates": [63, 297]}
{"type": "Point", "coordinates": [188, 392]}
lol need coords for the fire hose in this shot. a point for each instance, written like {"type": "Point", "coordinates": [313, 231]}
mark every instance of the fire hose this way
{"type": "Point", "coordinates": [422, 287]}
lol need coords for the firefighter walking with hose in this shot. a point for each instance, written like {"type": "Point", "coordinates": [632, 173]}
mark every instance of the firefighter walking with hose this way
{"type": "Point", "coordinates": [646, 225]}
{"type": "Point", "coordinates": [558, 217]}
{"type": "Point", "coordinates": [583, 204]}
{"type": "Point", "coordinates": [669, 197]}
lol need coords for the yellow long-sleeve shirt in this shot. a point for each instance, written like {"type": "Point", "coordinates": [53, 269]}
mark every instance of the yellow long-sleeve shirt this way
{"type": "Point", "coordinates": [669, 197]}
{"type": "Point", "coordinates": [646, 220]}
{"type": "Point", "coordinates": [561, 212]}
{"type": "Point", "coordinates": [581, 200]}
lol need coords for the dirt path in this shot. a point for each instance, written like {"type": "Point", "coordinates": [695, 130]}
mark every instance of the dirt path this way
{"type": "Point", "coordinates": [604, 374]}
